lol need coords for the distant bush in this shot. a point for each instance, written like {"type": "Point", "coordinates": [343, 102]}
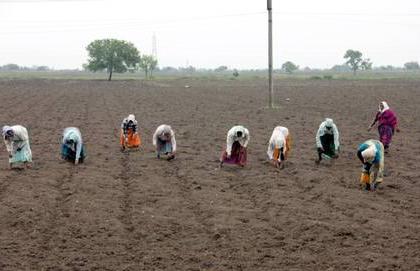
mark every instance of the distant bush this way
{"type": "Point", "coordinates": [328, 77]}
{"type": "Point", "coordinates": [10, 67]}
{"type": "Point", "coordinates": [15, 67]}
{"type": "Point", "coordinates": [412, 65]}
{"type": "Point", "coordinates": [341, 68]}
{"type": "Point", "coordinates": [289, 67]}
{"type": "Point", "coordinates": [316, 77]}
{"type": "Point", "coordinates": [221, 69]}
{"type": "Point", "coordinates": [235, 73]}
{"type": "Point", "coordinates": [42, 68]}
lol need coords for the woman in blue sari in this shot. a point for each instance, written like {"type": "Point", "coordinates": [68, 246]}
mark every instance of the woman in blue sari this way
{"type": "Point", "coordinates": [72, 148]}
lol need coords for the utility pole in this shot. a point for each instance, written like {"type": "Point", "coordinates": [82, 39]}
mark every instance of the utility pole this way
{"type": "Point", "coordinates": [270, 55]}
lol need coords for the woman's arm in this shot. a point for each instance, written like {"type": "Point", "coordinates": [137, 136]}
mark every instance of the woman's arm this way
{"type": "Point", "coordinates": [374, 121]}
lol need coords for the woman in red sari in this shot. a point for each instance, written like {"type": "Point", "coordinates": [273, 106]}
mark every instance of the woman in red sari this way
{"type": "Point", "coordinates": [387, 124]}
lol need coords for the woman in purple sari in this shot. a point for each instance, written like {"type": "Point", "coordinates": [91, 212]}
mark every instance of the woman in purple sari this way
{"type": "Point", "coordinates": [387, 124]}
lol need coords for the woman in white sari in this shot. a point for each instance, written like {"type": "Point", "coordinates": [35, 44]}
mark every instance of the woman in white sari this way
{"type": "Point", "coordinates": [16, 140]}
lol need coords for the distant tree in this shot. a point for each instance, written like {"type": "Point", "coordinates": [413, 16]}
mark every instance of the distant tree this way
{"type": "Point", "coordinates": [189, 69]}
{"type": "Point", "coordinates": [112, 55]}
{"type": "Point", "coordinates": [366, 64]}
{"type": "Point", "coordinates": [42, 68]}
{"type": "Point", "coordinates": [389, 68]}
{"type": "Point", "coordinates": [412, 65]}
{"type": "Point", "coordinates": [148, 63]}
{"type": "Point", "coordinates": [386, 68]}
{"type": "Point", "coordinates": [341, 68]}
{"type": "Point", "coordinates": [356, 62]}
{"type": "Point", "coordinates": [169, 69]}
{"type": "Point", "coordinates": [235, 73]}
{"type": "Point", "coordinates": [11, 67]}
{"type": "Point", "coordinates": [221, 69]}
{"type": "Point", "coordinates": [289, 67]}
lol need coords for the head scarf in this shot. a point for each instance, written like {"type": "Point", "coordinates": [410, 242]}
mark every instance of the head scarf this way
{"type": "Point", "coordinates": [369, 153]}
{"type": "Point", "coordinates": [329, 122]}
{"type": "Point", "coordinates": [328, 126]}
{"type": "Point", "coordinates": [385, 105]}
{"type": "Point", "coordinates": [6, 129]}
{"type": "Point", "coordinates": [131, 117]}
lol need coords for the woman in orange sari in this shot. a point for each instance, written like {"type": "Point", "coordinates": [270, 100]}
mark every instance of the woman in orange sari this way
{"type": "Point", "coordinates": [129, 137]}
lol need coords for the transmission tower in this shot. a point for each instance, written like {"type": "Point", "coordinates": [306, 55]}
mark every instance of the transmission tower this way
{"type": "Point", "coordinates": [154, 46]}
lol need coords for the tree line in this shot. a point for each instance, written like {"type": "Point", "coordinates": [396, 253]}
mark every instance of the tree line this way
{"type": "Point", "coordinates": [15, 67]}
{"type": "Point", "coordinates": [354, 62]}
{"type": "Point", "coordinates": [119, 56]}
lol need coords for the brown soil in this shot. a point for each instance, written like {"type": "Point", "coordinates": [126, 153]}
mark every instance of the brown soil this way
{"type": "Point", "coordinates": [133, 212]}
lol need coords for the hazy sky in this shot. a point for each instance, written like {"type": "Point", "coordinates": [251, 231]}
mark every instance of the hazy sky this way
{"type": "Point", "coordinates": [210, 33]}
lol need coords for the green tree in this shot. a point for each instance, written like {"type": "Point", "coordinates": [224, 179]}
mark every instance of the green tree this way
{"type": "Point", "coordinates": [412, 65]}
{"type": "Point", "coordinates": [112, 55]}
{"type": "Point", "coordinates": [356, 62]}
{"type": "Point", "coordinates": [148, 63]}
{"type": "Point", "coordinates": [289, 67]}
{"type": "Point", "coordinates": [366, 64]}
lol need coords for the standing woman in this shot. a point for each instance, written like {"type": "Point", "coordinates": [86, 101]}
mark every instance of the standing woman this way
{"type": "Point", "coordinates": [17, 143]}
{"type": "Point", "coordinates": [387, 124]}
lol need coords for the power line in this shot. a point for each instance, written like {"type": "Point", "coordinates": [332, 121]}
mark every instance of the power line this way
{"type": "Point", "coordinates": [132, 23]}
{"type": "Point", "coordinates": [99, 24]}
{"type": "Point", "coordinates": [114, 22]}
{"type": "Point", "coordinates": [46, 1]}
{"type": "Point", "coordinates": [367, 14]}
